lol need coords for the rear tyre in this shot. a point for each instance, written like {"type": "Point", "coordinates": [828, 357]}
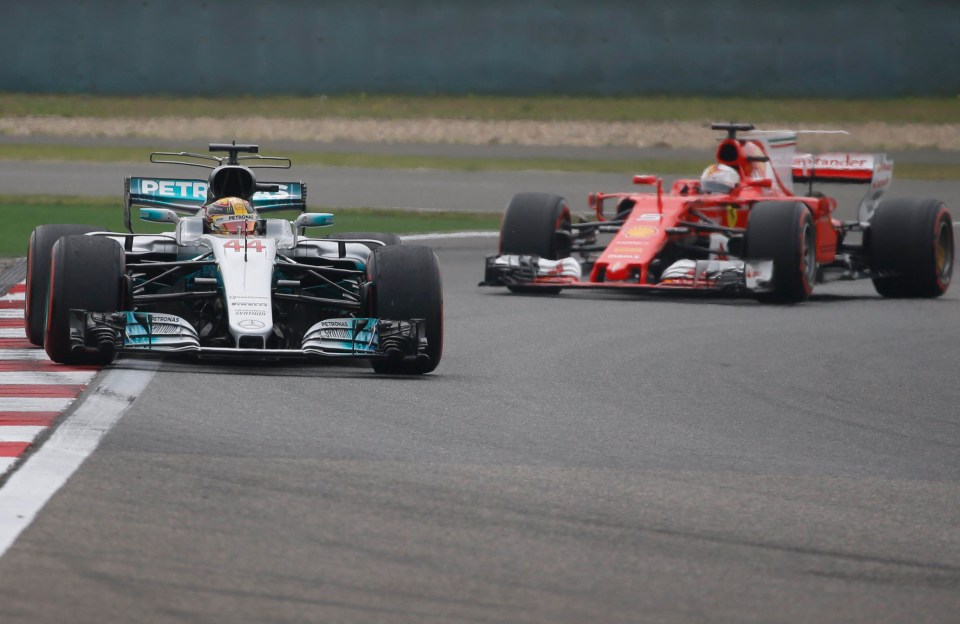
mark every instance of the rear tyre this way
{"type": "Point", "coordinates": [86, 273]}
{"type": "Point", "coordinates": [911, 248]}
{"type": "Point", "coordinates": [784, 232]}
{"type": "Point", "coordinates": [38, 274]}
{"type": "Point", "coordinates": [387, 238]}
{"type": "Point", "coordinates": [536, 224]}
{"type": "Point", "coordinates": [404, 283]}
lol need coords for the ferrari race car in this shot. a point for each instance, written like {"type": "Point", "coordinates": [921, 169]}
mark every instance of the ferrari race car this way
{"type": "Point", "coordinates": [740, 229]}
{"type": "Point", "coordinates": [227, 282]}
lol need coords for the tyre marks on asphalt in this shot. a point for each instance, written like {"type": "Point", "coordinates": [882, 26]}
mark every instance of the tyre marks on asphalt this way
{"type": "Point", "coordinates": [33, 390]}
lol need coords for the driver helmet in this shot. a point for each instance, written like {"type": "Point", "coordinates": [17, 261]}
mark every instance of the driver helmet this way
{"type": "Point", "coordinates": [719, 179]}
{"type": "Point", "coordinates": [230, 215]}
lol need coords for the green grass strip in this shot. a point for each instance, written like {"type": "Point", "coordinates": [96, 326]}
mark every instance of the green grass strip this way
{"type": "Point", "coordinates": [537, 108]}
{"type": "Point", "coordinates": [23, 213]}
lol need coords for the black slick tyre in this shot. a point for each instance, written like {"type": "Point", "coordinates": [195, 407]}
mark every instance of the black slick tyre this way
{"type": "Point", "coordinates": [530, 226]}
{"type": "Point", "coordinates": [404, 283]}
{"type": "Point", "coordinates": [911, 248]}
{"type": "Point", "coordinates": [530, 223]}
{"type": "Point", "coordinates": [86, 273]}
{"type": "Point", "coordinates": [38, 274]}
{"type": "Point", "coordinates": [783, 231]}
{"type": "Point", "coordinates": [387, 238]}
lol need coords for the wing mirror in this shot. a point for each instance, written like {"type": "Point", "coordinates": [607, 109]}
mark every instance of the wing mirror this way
{"type": "Point", "coordinates": [159, 215]}
{"type": "Point", "coordinates": [313, 219]}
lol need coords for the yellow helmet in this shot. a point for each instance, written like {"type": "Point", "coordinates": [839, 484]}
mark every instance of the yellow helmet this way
{"type": "Point", "coordinates": [230, 215]}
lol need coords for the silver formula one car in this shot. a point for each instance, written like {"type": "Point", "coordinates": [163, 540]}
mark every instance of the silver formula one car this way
{"type": "Point", "coordinates": [228, 282]}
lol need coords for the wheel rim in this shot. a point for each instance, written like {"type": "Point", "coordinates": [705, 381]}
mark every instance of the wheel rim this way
{"type": "Point", "coordinates": [943, 253]}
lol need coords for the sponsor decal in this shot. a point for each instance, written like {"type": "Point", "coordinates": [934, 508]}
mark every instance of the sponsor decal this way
{"type": "Point", "coordinates": [651, 216]}
{"type": "Point", "coordinates": [834, 161]}
{"type": "Point", "coordinates": [346, 323]}
{"type": "Point", "coordinates": [641, 231]}
{"type": "Point", "coordinates": [189, 189]}
{"type": "Point", "coordinates": [158, 318]}
{"type": "Point", "coordinates": [251, 324]}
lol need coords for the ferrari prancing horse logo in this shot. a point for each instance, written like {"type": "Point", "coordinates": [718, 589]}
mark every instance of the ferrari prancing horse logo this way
{"type": "Point", "coordinates": [731, 215]}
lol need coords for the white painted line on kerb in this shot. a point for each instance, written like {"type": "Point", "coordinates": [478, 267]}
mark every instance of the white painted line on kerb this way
{"type": "Point", "coordinates": [46, 377]}
{"type": "Point", "coordinates": [23, 354]}
{"type": "Point", "coordinates": [38, 479]}
{"type": "Point", "coordinates": [6, 463]}
{"type": "Point", "coordinates": [33, 404]}
{"type": "Point", "coordinates": [485, 234]}
{"type": "Point", "coordinates": [19, 433]}
{"type": "Point", "coordinates": [18, 296]}
{"type": "Point", "coordinates": [13, 332]}
{"type": "Point", "coordinates": [11, 313]}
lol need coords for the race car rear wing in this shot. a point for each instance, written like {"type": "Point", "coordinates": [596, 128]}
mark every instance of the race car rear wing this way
{"type": "Point", "coordinates": [847, 168]}
{"type": "Point", "coordinates": [186, 196]}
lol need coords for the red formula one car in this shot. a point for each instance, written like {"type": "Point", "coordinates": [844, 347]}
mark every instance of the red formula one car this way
{"type": "Point", "coordinates": [740, 229]}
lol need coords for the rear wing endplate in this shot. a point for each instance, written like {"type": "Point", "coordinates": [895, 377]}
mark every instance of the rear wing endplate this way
{"type": "Point", "coordinates": [847, 168]}
{"type": "Point", "coordinates": [187, 196]}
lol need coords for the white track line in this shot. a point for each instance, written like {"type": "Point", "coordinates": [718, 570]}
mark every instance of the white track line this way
{"type": "Point", "coordinates": [6, 463]}
{"type": "Point", "coordinates": [31, 404]}
{"type": "Point", "coordinates": [21, 433]}
{"type": "Point", "coordinates": [46, 377]}
{"type": "Point", "coordinates": [31, 486]}
{"type": "Point", "coordinates": [23, 354]}
{"type": "Point", "coordinates": [484, 234]}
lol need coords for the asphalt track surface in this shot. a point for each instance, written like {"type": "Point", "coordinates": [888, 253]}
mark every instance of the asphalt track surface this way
{"type": "Point", "coordinates": [589, 457]}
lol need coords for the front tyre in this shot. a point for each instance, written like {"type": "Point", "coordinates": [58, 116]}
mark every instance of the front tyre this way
{"type": "Point", "coordinates": [42, 240]}
{"type": "Point", "coordinates": [404, 283]}
{"type": "Point", "coordinates": [86, 273]}
{"type": "Point", "coordinates": [911, 248]}
{"type": "Point", "coordinates": [536, 224]}
{"type": "Point", "coordinates": [783, 232]}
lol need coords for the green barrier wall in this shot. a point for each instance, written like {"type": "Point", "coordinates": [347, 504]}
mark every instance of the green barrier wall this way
{"type": "Point", "coordinates": [743, 47]}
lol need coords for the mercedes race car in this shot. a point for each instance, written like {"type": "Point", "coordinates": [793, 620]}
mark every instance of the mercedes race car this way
{"type": "Point", "coordinates": [230, 282]}
{"type": "Point", "coordinates": [742, 228]}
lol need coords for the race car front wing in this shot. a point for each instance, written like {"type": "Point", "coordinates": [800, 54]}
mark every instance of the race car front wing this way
{"type": "Point", "coordinates": [157, 333]}
{"type": "Point", "coordinates": [704, 275]}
